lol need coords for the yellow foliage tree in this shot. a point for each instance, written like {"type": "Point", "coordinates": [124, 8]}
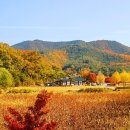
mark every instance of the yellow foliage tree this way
{"type": "Point", "coordinates": [129, 76]}
{"type": "Point", "coordinates": [85, 72]}
{"type": "Point", "coordinates": [100, 77]}
{"type": "Point", "coordinates": [124, 77]}
{"type": "Point", "coordinates": [116, 77]}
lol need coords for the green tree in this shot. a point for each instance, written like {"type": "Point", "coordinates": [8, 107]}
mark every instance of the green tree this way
{"type": "Point", "coordinates": [6, 78]}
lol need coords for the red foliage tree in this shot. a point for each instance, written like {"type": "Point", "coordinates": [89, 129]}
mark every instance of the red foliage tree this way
{"type": "Point", "coordinates": [92, 78]}
{"type": "Point", "coordinates": [108, 80]}
{"type": "Point", "coordinates": [33, 118]}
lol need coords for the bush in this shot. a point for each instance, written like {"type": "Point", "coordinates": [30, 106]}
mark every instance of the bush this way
{"type": "Point", "coordinates": [17, 82]}
{"type": "Point", "coordinates": [33, 118]}
{"type": "Point", "coordinates": [28, 82]}
{"type": "Point", "coordinates": [38, 82]}
{"type": "Point", "coordinates": [123, 87]}
{"type": "Point", "coordinates": [1, 91]}
{"type": "Point", "coordinates": [6, 78]}
{"type": "Point", "coordinates": [15, 91]}
{"type": "Point", "coordinates": [90, 90]}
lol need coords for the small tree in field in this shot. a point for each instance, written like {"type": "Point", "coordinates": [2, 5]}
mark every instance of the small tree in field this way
{"type": "Point", "coordinates": [33, 119]}
{"type": "Point", "coordinates": [6, 78]}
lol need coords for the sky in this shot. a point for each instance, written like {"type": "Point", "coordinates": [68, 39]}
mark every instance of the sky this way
{"type": "Point", "coordinates": [64, 20]}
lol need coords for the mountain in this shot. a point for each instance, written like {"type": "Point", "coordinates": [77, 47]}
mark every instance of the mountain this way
{"type": "Point", "coordinates": [86, 55]}
{"type": "Point", "coordinates": [107, 56]}
{"type": "Point", "coordinates": [111, 46]}
{"type": "Point", "coordinates": [44, 45]}
{"type": "Point", "coordinates": [106, 45]}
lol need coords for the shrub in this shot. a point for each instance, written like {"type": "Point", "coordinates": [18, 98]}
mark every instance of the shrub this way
{"type": "Point", "coordinates": [33, 119]}
{"type": "Point", "coordinates": [89, 90]}
{"type": "Point", "coordinates": [38, 82]}
{"type": "Point", "coordinates": [15, 91]}
{"type": "Point", "coordinates": [17, 81]}
{"type": "Point", "coordinates": [28, 82]}
{"type": "Point", "coordinates": [1, 91]}
{"type": "Point", "coordinates": [108, 80]}
{"type": "Point", "coordinates": [6, 78]}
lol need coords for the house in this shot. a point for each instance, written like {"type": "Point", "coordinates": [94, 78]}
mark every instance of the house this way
{"type": "Point", "coordinates": [79, 80]}
{"type": "Point", "coordinates": [70, 81]}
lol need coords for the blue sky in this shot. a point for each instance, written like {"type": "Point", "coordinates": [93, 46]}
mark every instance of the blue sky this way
{"type": "Point", "coordinates": [64, 20]}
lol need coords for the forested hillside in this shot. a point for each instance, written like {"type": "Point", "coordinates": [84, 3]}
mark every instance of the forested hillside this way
{"type": "Point", "coordinates": [112, 46]}
{"type": "Point", "coordinates": [30, 67]}
{"type": "Point", "coordinates": [103, 55]}
{"type": "Point", "coordinates": [81, 56]}
{"type": "Point", "coordinates": [106, 45]}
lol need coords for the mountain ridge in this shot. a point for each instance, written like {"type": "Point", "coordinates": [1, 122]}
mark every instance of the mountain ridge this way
{"type": "Point", "coordinates": [107, 45]}
{"type": "Point", "coordinates": [44, 45]}
{"type": "Point", "coordinates": [104, 55]}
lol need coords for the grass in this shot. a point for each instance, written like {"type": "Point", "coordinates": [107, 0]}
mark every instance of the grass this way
{"type": "Point", "coordinates": [49, 89]}
{"type": "Point", "coordinates": [64, 90]}
{"type": "Point", "coordinates": [55, 89]}
{"type": "Point", "coordinates": [72, 110]}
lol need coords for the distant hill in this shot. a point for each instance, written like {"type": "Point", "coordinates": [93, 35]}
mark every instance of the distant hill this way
{"type": "Point", "coordinates": [86, 55]}
{"type": "Point", "coordinates": [107, 56]}
{"type": "Point", "coordinates": [47, 45]}
{"type": "Point", "coordinates": [111, 46]}
{"type": "Point", "coordinates": [44, 45]}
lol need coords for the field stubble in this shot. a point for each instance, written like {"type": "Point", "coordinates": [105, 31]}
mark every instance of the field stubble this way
{"type": "Point", "coordinates": [76, 111]}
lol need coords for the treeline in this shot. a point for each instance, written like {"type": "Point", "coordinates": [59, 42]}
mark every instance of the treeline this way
{"type": "Point", "coordinates": [100, 78]}
{"type": "Point", "coordinates": [26, 67]}
{"type": "Point", "coordinates": [30, 67]}
{"type": "Point", "coordinates": [102, 55]}
{"type": "Point", "coordinates": [85, 55]}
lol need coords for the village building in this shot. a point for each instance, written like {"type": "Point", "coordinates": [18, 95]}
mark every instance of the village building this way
{"type": "Point", "coordinates": [68, 81]}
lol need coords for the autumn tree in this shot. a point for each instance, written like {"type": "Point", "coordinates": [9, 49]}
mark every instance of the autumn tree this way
{"type": "Point", "coordinates": [69, 71]}
{"type": "Point", "coordinates": [85, 73]}
{"type": "Point", "coordinates": [108, 80]}
{"type": "Point", "coordinates": [129, 76]}
{"type": "Point", "coordinates": [56, 58]}
{"type": "Point", "coordinates": [124, 77]}
{"type": "Point", "coordinates": [116, 77]}
{"type": "Point", "coordinates": [30, 67]}
{"type": "Point", "coordinates": [100, 77]}
{"type": "Point", "coordinates": [92, 78]}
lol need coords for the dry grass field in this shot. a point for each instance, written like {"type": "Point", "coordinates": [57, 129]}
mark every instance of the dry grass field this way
{"type": "Point", "coordinates": [76, 111]}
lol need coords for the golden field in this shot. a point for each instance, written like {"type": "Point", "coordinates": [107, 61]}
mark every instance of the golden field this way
{"type": "Point", "coordinates": [76, 111]}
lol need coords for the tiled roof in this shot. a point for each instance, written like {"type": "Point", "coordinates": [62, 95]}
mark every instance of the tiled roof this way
{"type": "Point", "coordinates": [77, 78]}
